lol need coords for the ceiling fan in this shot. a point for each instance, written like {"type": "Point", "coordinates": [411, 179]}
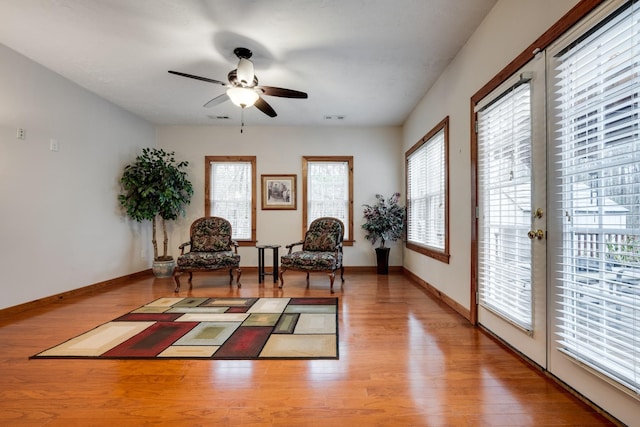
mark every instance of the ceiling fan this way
{"type": "Point", "coordinates": [243, 89]}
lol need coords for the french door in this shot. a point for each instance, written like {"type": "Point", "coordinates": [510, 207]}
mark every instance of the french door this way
{"type": "Point", "coordinates": [511, 212]}
{"type": "Point", "coordinates": [594, 245]}
{"type": "Point", "coordinates": [558, 209]}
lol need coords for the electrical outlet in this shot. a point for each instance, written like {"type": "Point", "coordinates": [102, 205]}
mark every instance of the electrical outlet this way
{"type": "Point", "coordinates": [142, 255]}
{"type": "Point", "coordinates": [53, 145]}
{"type": "Point", "coordinates": [20, 133]}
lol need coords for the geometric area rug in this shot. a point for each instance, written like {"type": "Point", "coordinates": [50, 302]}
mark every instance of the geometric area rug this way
{"type": "Point", "coordinates": [213, 328]}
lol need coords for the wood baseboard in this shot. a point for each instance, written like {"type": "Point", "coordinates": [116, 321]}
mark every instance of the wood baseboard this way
{"type": "Point", "coordinates": [463, 311]}
{"type": "Point", "coordinates": [123, 280]}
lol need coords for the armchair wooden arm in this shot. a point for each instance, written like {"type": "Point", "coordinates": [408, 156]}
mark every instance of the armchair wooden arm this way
{"type": "Point", "coordinates": [184, 245]}
{"type": "Point", "coordinates": [292, 245]}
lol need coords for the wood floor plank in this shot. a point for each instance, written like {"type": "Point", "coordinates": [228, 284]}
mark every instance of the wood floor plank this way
{"type": "Point", "coordinates": [405, 360]}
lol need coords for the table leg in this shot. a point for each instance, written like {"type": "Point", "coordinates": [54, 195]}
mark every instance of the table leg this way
{"type": "Point", "coordinates": [275, 265]}
{"type": "Point", "coordinates": [260, 265]}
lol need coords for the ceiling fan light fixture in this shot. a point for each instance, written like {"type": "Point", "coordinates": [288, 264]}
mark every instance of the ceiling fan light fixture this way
{"type": "Point", "coordinates": [242, 97]}
{"type": "Point", "coordinates": [245, 72]}
{"type": "Point", "coordinates": [243, 89]}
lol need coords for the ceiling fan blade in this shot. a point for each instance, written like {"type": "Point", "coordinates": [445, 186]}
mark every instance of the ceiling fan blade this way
{"type": "Point", "coordinates": [262, 105]}
{"type": "Point", "coordinates": [217, 100]}
{"type": "Point", "coordinates": [285, 93]}
{"type": "Point", "coordinates": [204, 79]}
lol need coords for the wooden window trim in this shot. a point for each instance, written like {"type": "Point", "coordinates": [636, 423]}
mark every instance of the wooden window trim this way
{"type": "Point", "coordinates": [440, 255]}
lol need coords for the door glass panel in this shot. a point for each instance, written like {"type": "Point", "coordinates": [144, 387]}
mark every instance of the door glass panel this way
{"type": "Point", "coordinates": [504, 188]}
{"type": "Point", "coordinates": [597, 159]}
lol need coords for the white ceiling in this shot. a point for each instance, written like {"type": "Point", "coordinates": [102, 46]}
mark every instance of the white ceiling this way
{"type": "Point", "coordinates": [368, 60]}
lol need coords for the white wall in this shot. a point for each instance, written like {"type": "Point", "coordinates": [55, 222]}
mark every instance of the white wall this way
{"type": "Point", "coordinates": [378, 168]}
{"type": "Point", "coordinates": [60, 223]}
{"type": "Point", "coordinates": [510, 27]}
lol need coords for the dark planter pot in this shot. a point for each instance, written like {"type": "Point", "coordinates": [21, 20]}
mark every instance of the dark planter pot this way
{"type": "Point", "coordinates": [382, 255]}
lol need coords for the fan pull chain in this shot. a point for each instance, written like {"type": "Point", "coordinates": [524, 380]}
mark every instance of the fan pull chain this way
{"type": "Point", "coordinates": [241, 120]}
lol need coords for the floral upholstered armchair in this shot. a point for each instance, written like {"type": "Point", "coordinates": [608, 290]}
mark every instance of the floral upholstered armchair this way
{"type": "Point", "coordinates": [321, 250]}
{"type": "Point", "coordinates": [211, 248]}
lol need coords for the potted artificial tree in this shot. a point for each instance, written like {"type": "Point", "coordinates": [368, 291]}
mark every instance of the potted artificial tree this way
{"type": "Point", "coordinates": [384, 221]}
{"type": "Point", "coordinates": [153, 186]}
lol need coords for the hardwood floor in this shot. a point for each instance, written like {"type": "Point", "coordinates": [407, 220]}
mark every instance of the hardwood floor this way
{"type": "Point", "coordinates": [406, 359]}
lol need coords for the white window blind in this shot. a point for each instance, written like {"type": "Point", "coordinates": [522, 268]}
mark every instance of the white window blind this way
{"type": "Point", "coordinates": [504, 187]}
{"type": "Point", "coordinates": [426, 171]}
{"type": "Point", "coordinates": [596, 127]}
{"type": "Point", "coordinates": [231, 195]}
{"type": "Point", "coordinates": [328, 191]}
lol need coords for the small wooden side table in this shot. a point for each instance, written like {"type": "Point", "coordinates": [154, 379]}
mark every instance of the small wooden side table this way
{"type": "Point", "coordinates": [274, 270]}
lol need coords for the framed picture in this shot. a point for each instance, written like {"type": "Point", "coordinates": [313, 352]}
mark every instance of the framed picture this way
{"type": "Point", "coordinates": [279, 192]}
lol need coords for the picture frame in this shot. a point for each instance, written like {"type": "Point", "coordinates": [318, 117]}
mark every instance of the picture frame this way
{"type": "Point", "coordinates": [279, 192]}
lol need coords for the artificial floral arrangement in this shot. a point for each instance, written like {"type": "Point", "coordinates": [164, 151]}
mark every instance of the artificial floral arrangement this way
{"type": "Point", "coordinates": [385, 221]}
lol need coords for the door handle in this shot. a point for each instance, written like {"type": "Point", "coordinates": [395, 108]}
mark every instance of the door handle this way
{"type": "Point", "coordinates": [536, 233]}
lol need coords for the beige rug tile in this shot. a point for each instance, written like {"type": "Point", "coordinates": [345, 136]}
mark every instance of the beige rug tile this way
{"type": "Point", "coordinates": [269, 305]}
{"type": "Point", "coordinates": [213, 317]}
{"type": "Point", "coordinates": [204, 351]}
{"type": "Point", "coordinates": [316, 323]}
{"type": "Point", "coordinates": [300, 346]}
{"type": "Point", "coordinates": [98, 340]}
{"type": "Point", "coordinates": [166, 302]}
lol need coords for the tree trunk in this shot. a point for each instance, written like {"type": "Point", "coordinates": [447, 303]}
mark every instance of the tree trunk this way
{"type": "Point", "coordinates": [166, 239]}
{"type": "Point", "coordinates": [153, 239]}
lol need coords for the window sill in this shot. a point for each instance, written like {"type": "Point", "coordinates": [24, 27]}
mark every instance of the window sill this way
{"type": "Point", "coordinates": [430, 252]}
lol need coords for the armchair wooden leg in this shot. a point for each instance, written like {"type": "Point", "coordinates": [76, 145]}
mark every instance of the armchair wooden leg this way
{"type": "Point", "coordinates": [342, 273]}
{"type": "Point", "coordinates": [176, 278]}
{"type": "Point", "coordinates": [239, 272]}
{"type": "Point", "coordinates": [282, 270]}
{"type": "Point", "coordinates": [332, 277]}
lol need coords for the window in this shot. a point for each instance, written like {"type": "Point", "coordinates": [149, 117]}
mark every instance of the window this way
{"type": "Point", "coordinates": [596, 130]}
{"type": "Point", "coordinates": [230, 184]}
{"type": "Point", "coordinates": [504, 187]}
{"type": "Point", "coordinates": [327, 190]}
{"type": "Point", "coordinates": [427, 165]}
